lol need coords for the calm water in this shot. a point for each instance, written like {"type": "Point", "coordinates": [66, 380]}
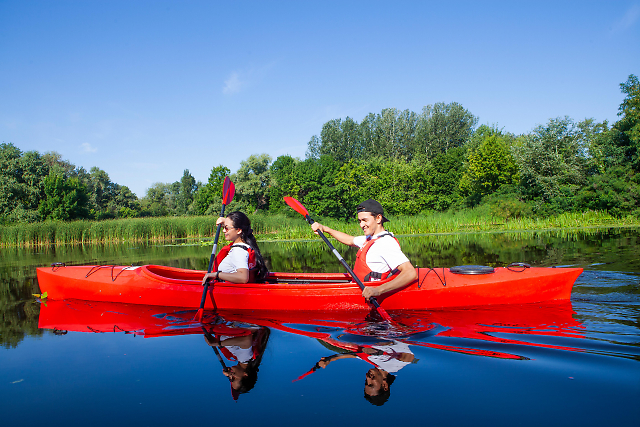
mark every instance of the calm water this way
{"type": "Point", "coordinates": [572, 363]}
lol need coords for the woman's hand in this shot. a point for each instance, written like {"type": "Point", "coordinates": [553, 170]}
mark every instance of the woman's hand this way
{"type": "Point", "coordinates": [209, 276]}
{"type": "Point", "coordinates": [211, 340]}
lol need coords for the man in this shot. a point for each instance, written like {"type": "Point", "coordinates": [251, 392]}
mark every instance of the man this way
{"type": "Point", "coordinates": [379, 255]}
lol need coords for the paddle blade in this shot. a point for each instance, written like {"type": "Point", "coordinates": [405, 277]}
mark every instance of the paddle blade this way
{"type": "Point", "coordinates": [296, 205]}
{"type": "Point", "coordinates": [198, 316]}
{"type": "Point", "coordinates": [384, 314]}
{"type": "Point", "coordinates": [228, 191]}
{"type": "Point", "coordinates": [311, 371]}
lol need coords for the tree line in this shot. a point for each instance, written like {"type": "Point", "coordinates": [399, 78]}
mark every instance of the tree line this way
{"type": "Point", "coordinates": [436, 160]}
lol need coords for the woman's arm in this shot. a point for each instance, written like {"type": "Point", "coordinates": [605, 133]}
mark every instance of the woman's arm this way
{"type": "Point", "coordinates": [240, 276]}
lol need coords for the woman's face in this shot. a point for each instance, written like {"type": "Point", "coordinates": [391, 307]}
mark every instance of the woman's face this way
{"type": "Point", "coordinates": [231, 233]}
{"type": "Point", "coordinates": [235, 374]}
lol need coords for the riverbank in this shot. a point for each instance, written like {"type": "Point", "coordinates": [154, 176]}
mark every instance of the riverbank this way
{"type": "Point", "coordinates": [281, 227]}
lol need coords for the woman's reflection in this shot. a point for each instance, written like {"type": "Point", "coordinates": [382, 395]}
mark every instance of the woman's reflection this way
{"type": "Point", "coordinates": [242, 345]}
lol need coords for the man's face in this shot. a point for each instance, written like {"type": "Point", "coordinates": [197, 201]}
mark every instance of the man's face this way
{"type": "Point", "coordinates": [369, 223]}
{"type": "Point", "coordinates": [374, 382]}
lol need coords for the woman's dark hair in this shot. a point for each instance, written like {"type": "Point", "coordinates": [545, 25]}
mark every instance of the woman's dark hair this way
{"type": "Point", "coordinates": [260, 339]}
{"type": "Point", "coordinates": [242, 222]}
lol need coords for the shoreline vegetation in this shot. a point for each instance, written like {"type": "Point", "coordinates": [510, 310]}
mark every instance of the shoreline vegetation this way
{"type": "Point", "coordinates": [280, 227]}
{"type": "Point", "coordinates": [434, 172]}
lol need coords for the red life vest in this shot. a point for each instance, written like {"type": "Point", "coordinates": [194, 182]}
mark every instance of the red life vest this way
{"type": "Point", "coordinates": [362, 270]}
{"type": "Point", "coordinates": [225, 251]}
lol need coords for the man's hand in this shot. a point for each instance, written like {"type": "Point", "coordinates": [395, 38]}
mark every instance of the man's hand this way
{"type": "Point", "coordinates": [371, 291]}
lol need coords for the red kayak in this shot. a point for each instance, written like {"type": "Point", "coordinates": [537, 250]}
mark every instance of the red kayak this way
{"type": "Point", "coordinates": [435, 288]}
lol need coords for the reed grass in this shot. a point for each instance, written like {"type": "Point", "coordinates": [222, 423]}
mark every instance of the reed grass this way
{"type": "Point", "coordinates": [282, 227]}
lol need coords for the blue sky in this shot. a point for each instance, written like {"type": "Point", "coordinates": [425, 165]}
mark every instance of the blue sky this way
{"type": "Point", "coordinates": [147, 89]}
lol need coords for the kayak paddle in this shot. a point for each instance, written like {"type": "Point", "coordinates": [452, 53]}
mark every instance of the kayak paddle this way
{"type": "Point", "coordinates": [309, 372]}
{"type": "Point", "coordinates": [228, 191]}
{"type": "Point", "coordinates": [297, 206]}
{"type": "Point", "coordinates": [215, 350]}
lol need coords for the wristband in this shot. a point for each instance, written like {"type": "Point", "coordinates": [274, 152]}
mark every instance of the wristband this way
{"type": "Point", "coordinates": [217, 276]}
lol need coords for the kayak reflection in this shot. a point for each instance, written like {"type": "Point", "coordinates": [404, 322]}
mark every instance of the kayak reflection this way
{"type": "Point", "coordinates": [506, 332]}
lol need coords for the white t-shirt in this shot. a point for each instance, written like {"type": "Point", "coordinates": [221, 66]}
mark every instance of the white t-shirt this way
{"type": "Point", "coordinates": [383, 255]}
{"type": "Point", "coordinates": [243, 355]}
{"type": "Point", "coordinates": [388, 361]}
{"type": "Point", "coordinates": [235, 259]}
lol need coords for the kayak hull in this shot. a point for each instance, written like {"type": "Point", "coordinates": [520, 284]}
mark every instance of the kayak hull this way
{"type": "Point", "coordinates": [175, 287]}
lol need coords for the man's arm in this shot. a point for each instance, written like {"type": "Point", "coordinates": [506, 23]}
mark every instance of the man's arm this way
{"type": "Point", "coordinates": [338, 235]}
{"type": "Point", "coordinates": [407, 275]}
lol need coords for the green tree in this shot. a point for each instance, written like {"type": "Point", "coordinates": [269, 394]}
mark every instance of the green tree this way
{"type": "Point", "coordinates": [208, 197]}
{"type": "Point", "coordinates": [627, 129]}
{"type": "Point", "coordinates": [443, 176]}
{"type": "Point", "coordinates": [553, 161]}
{"type": "Point", "coordinates": [282, 181]}
{"type": "Point", "coordinates": [186, 190]}
{"type": "Point", "coordinates": [441, 127]}
{"type": "Point", "coordinates": [66, 199]}
{"type": "Point", "coordinates": [9, 179]}
{"type": "Point", "coordinates": [252, 183]}
{"type": "Point", "coordinates": [614, 182]}
{"type": "Point", "coordinates": [21, 184]}
{"type": "Point", "coordinates": [402, 188]}
{"type": "Point", "coordinates": [57, 165]}
{"type": "Point", "coordinates": [616, 191]}
{"type": "Point", "coordinates": [313, 148]}
{"type": "Point", "coordinates": [393, 134]}
{"type": "Point", "coordinates": [489, 167]}
{"type": "Point", "coordinates": [155, 202]}
{"type": "Point", "coordinates": [315, 186]}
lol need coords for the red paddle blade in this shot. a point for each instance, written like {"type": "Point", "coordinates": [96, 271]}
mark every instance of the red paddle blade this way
{"type": "Point", "coordinates": [296, 205]}
{"type": "Point", "coordinates": [385, 315]}
{"type": "Point", "coordinates": [303, 375]}
{"type": "Point", "coordinates": [228, 191]}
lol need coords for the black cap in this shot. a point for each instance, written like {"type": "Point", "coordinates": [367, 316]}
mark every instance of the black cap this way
{"type": "Point", "coordinates": [372, 206]}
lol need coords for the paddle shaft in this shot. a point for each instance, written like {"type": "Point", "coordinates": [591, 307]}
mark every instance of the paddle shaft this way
{"type": "Point", "coordinates": [213, 255]}
{"type": "Point", "coordinates": [372, 300]}
{"type": "Point", "coordinates": [215, 350]}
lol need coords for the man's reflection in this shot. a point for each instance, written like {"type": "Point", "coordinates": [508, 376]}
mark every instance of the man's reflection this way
{"type": "Point", "coordinates": [245, 346]}
{"type": "Point", "coordinates": [387, 358]}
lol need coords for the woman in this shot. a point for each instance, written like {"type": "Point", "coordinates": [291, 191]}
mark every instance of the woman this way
{"type": "Point", "coordinates": [241, 260]}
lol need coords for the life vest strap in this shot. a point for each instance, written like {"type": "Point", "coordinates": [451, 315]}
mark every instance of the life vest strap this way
{"type": "Point", "coordinates": [379, 276]}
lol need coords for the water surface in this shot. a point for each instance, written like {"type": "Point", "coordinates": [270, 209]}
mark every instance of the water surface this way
{"type": "Point", "coordinates": [559, 363]}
